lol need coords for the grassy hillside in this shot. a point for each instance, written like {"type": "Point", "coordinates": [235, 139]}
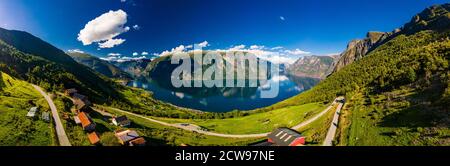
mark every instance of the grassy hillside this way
{"type": "Point", "coordinates": [35, 60]}
{"type": "Point", "coordinates": [16, 98]}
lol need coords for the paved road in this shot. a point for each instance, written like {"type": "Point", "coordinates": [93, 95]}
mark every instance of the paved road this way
{"type": "Point", "coordinates": [61, 133]}
{"type": "Point", "coordinates": [333, 126]}
{"type": "Point", "coordinates": [190, 127]}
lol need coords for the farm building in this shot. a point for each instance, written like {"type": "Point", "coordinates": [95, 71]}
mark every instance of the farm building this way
{"type": "Point", "coordinates": [129, 137]}
{"type": "Point", "coordinates": [33, 111]}
{"type": "Point", "coordinates": [93, 138]}
{"type": "Point", "coordinates": [70, 92]}
{"type": "Point", "coordinates": [82, 106]}
{"type": "Point", "coordinates": [285, 137]}
{"type": "Point", "coordinates": [86, 122]}
{"type": "Point", "coordinates": [138, 142]}
{"type": "Point", "coordinates": [121, 121]}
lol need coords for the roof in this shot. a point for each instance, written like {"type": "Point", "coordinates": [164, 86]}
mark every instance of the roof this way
{"type": "Point", "coordinates": [34, 109]}
{"type": "Point", "coordinates": [122, 119]}
{"type": "Point", "coordinates": [84, 119]}
{"type": "Point", "coordinates": [138, 142]}
{"type": "Point", "coordinates": [76, 119]}
{"type": "Point", "coordinates": [127, 135]}
{"type": "Point", "coordinates": [79, 104]}
{"type": "Point", "coordinates": [93, 138]}
{"type": "Point", "coordinates": [283, 136]}
{"type": "Point", "coordinates": [79, 96]}
{"type": "Point", "coordinates": [32, 112]}
{"type": "Point", "coordinates": [72, 90]}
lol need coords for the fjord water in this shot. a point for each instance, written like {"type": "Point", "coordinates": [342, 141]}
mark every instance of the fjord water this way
{"type": "Point", "coordinates": [225, 99]}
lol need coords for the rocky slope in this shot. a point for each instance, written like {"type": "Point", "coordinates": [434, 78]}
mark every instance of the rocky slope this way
{"type": "Point", "coordinates": [358, 48]}
{"type": "Point", "coordinates": [435, 17]}
{"type": "Point", "coordinates": [313, 66]}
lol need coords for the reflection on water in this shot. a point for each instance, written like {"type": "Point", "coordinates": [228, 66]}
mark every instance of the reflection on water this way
{"type": "Point", "coordinates": [224, 99]}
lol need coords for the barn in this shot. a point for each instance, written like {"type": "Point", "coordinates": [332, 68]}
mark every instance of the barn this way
{"type": "Point", "coordinates": [285, 137]}
{"type": "Point", "coordinates": [86, 122]}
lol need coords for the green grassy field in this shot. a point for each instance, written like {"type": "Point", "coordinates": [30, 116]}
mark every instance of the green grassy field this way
{"type": "Point", "coordinates": [398, 118]}
{"type": "Point", "coordinates": [16, 98]}
{"type": "Point", "coordinates": [316, 132]}
{"type": "Point", "coordinates": [256, 123]}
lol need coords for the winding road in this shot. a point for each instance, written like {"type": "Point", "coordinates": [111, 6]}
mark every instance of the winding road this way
{"type": "Point", "coordinates": [60, 132]}
{"type": "Point", "coordinates": [333, 126]}
{"type": "Point", "coordinates": [194, 128]}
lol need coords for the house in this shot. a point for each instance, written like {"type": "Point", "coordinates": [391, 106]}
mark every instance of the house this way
{"type": "Point", "coordinates": [82, 106]}
{"type": "Point", "coordinates": [138, 142]}
{"type": "Point", "coordinates": [121, 121]}
{"type": "Point", "coordinates": [86, 122]}
{"type": "Point", "coordinates": [70, 92]}
{"type": "Point", "coordinates": [93, 138]}
{"type": "Point", "coordinates": [129, 137]}
{"type": "Point", "coordinates": [33, 111]}
{"type": "Point", "coordinates": [46, 116]}
{"type": "Point", "coordinates": [285, 137]}
{"type": "Point", "coordinates": [81, 97]}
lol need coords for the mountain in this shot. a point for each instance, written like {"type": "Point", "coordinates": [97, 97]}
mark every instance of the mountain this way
{"type": "Point", "coordinates": [399, 92]}
{"type": "Point", "coordinates": [358, 48]}
{"type": "Point", "coordinates": [99, 65]}
{"type": "Point", "coordinates": [435, 17]}
{"type": "Point", "coordinates": [28, 57]}
{"type": "Point", "coordinates": [313, 66]}
{"type": "Point", "coordinates": [160, 71]}
{"type": "Point", "coordinates": [134, 67]}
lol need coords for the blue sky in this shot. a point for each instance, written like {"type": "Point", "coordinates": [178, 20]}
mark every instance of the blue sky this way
{"type": "Point", "coordinates": [318, 27]}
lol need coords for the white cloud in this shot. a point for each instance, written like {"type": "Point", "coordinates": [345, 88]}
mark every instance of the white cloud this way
{"type": "Point", "coordinates": [136, 27]}
{"type": "Point", "coordinates": [277, 48]}
{"type": "Point", "coordinates": [277, 54]}
{"type": "Point", "coordinates": [122, 59]}
{"type": "Point", "coordinates": [111, 43]}
{"type": "Point", "coordinates": [297, 52]}
{"type": "Point", "coordinates": [203, 44]}
{"type": "Point", "coordinates": [135, 54]}
{"type": "Point", "coordinates": [256, 47]}
{"type": "Point", "coordinates": [114, 54]}
{"type": "Point", "coordinates": [144, 53]}
{"type": "Point", "coordinates": [237, 48]}
{"type": "Point", "coordinates": [180, 48]}
{"type": "Point", "coordinates": [104, 28]}
{"type": "Point", "coordinates": [76, 51]}
{"type": "Point", "coordinates": [333, 54]}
